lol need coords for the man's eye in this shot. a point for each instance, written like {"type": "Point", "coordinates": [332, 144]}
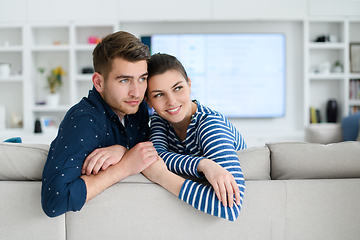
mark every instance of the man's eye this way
{"type": "Point", "coordinates": [142, 79]}
{"type": "Point", "coordinates": [124, 80]}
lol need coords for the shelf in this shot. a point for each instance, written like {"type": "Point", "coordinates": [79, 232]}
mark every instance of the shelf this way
{"type": "Point", "coordinates": [50, 48]}
{"type": "Point", "coordinates": [326, 45]}
{"type": "Point", "coordinates": [354, 75]}
{"type": "Point", "coordinates": [354, 102]}
{"type": "Point", "coordinates": [12, 79]}
{"type": "Point", "coordinates": [85, 47]}
{"type": "Point", "coordinates": [11, 49]}
{"type": "Point", "coordinates": [331, 76]}
{"type": "Point", "coordinates": [84, 77]}
{"type": "Point", "coordinates": [44, 108]}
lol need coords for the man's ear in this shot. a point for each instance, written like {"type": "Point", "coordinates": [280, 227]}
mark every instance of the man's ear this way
{"type": "Point", "coordinates": [98, 81]}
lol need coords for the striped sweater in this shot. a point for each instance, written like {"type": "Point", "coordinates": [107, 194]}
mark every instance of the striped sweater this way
{"type": "Point", "coordinates": [209, 135]}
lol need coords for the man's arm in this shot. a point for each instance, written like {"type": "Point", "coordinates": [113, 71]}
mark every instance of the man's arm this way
{"type": "Point", "coordinates": [134, 161]}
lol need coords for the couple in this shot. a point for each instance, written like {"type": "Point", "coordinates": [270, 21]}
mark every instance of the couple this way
{"type": "Point", "coordinates": [105, 137]}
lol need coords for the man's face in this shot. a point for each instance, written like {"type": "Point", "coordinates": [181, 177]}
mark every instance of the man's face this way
{"type": "Point", "coordinates": [125, 87]}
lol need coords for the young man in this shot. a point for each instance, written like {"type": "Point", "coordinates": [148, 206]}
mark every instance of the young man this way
{"type": "Point", "coordinates": [79, 165]}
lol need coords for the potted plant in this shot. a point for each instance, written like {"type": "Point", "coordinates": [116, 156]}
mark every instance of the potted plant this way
{"type": "Point", "coordinates": [338, 67]}
{"type": "Point", "coordinates": [54, 81]}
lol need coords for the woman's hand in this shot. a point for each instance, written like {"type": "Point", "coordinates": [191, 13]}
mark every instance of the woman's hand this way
{"type": "Point", "coordinates": [160, 174]}
{"type": "Point", "coordinates": [155, 170]}
{"type": "Point", "coordinates": [222, 181]}
{"type": "Point", "coordinates": [102, 158]}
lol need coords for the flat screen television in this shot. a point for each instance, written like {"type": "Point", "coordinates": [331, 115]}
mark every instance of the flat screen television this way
{"type": "Point", "coordinates": [239, 75]}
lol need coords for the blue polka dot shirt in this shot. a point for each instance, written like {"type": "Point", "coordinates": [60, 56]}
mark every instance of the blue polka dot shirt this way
{"type": "Point", "coordinates": [88, 125]}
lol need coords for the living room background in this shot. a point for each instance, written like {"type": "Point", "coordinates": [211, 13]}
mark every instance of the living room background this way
{"type": "Point", "coordinates": [38, 22]}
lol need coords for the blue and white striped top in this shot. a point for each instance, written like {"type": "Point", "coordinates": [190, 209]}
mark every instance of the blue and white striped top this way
{"type": "Point", "coordinates": [209, 135]}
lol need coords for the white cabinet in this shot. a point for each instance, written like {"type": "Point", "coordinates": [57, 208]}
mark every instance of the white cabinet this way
{"type": "Point", "coordinates": [259, 9]}
{"type": "Point", "coordinates": [30, 47]}
{"type": "Point", "coordinates": [164, 10]}
{"type": "Point", "coordinates": [65, 10]}
{"type": "Point", "coordinates": [322, 81]}
{"type": "Point", "coordinates": [13, 11]}
{"type": "Point", "coordinates": [333, 7]}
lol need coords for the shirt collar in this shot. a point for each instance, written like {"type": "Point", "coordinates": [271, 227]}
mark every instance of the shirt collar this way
{"type": "Point", "coordinates": [94, 94]}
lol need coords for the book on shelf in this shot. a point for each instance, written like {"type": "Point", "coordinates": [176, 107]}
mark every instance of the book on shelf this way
{"type": "Point", "coordinates": [315, 115]}
{"type": "Point", "coordinates": [354, 89]}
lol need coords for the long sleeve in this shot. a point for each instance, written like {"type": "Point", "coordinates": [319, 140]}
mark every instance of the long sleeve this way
{"type": "Point", "coordinates": [62, 188]}
{"type": "Point", "coordinates": [176, 162]}
{"type": "Point", "coordinates": [218, 145]}
{"type": "Point", "coordinates": [211, 137]}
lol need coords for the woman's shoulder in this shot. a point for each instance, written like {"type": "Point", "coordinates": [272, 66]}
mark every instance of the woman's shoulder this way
{"type": "Point", "coordinates": [207, 113]}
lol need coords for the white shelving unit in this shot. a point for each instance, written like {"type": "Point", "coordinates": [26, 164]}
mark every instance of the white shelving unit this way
{"type": "Point", "coordinates": [354, 37]}
{"type": "Point", "coordinates": [27, 48]}
{"type": "Point", "coordinates": [12, 86]}
{"type": "Point", "coordinates": [320, 86]}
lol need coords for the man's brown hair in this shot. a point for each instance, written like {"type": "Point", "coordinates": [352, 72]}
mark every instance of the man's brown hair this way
{"type": "Point", "coordinates": [119, 44]}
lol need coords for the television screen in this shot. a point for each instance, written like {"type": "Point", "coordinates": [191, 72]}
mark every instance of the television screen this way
{"type": "Point", "coordinates": [239, 75]}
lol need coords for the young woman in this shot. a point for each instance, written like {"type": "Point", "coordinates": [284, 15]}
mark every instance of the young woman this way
{"type": "Point", "coordinates": [192, 140]}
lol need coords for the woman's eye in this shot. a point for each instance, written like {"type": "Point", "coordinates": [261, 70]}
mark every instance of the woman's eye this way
{"type": "Point", "coordinates": [158, 95]}
{"type": "Point", "coordinates": [177, 88]}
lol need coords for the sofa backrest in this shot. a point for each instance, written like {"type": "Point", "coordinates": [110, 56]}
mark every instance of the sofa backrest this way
{"type": "Point", "coordinates": [22, 162]}
{"type": "Point", "coordinates": [278, 161]}
{"type": "Point", "coordinates": [299, 160]}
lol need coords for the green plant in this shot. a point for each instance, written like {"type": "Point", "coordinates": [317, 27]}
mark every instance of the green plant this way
{"type": "Point", "coordinates": [55, 78]}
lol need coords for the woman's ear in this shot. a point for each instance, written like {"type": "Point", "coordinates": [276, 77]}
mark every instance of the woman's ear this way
{"type": "Point", "coordinates": [98, 81]}
{"type": "Point", "coordinates": [189, 83]}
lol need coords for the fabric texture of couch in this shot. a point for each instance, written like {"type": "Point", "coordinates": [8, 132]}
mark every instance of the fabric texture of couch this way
{"type": "Point", "coordinates": [293, 191]}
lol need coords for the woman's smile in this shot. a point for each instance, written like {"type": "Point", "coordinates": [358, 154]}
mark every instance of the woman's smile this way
{"type": "Point", "coordinates": [174, 111]}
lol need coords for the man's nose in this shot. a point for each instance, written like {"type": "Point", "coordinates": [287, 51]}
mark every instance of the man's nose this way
{"type": "Point", "coordinates": [134, 89]}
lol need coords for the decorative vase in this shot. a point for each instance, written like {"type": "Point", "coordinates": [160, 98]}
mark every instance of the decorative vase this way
{"type": "Point", "coordinates": [331, 111]}
{"type": "Point", "coordinates": [53, 100]}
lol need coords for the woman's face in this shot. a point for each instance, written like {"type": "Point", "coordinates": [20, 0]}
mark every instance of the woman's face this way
{"type": "Point", "coordinates": [169, 95]}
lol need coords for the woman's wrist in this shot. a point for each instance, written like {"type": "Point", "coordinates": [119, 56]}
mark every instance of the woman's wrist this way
{"type": "Point", "coordinates": [202, 165]}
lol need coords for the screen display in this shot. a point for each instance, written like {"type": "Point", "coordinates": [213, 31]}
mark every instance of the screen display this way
{"type": "Point", "coordinates": [239, 75]}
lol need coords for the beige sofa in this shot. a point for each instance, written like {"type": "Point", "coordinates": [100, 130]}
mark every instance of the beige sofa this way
{"type": "Point", "coordinates": [293, 191]}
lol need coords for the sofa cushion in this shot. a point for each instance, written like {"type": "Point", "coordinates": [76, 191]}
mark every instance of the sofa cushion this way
{"type": "Point", "coordinates": [255, 163]}
{"type": "Point", "coordinates": [298, 160]}
{"type": "Point", "coordinates": [21, 162]}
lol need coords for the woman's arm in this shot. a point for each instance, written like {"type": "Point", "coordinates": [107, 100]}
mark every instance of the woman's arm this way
{"type": "Point", "coordinates": [176, 162]}
{"type": "Point", "coordinates": [220, 144]}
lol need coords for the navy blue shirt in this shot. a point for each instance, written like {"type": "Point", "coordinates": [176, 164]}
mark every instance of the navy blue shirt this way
{"type": "Point", "coordinates": [88, 125]}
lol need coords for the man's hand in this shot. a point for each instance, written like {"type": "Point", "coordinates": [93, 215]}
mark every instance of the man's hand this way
{"type": "Point", "coordinates": [132, 162]}
{"type": "Point", "coordinates": [138, 158]}
{"type": "Point", "coordinates": [222, 181]}
{"type": "Point", "coordinates": [102, 158]}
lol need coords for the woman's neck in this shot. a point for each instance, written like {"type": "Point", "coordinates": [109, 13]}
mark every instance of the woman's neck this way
{"type": "Point", "coordinates": [181, 127]}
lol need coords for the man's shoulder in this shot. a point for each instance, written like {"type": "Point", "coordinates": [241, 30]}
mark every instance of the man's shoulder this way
{"type": "Point", "coordinates": [85, 110]}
